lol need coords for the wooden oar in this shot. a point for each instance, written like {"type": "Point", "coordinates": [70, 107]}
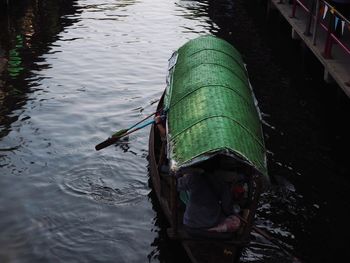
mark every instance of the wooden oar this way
{"type": "Point", "coordinates": [115, 138]}
{"type": "Point", "coordinates": [121, 133]}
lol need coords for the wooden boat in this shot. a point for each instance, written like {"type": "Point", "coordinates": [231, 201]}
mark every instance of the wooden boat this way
{"type": "Point", "coordinates": [211, 113]}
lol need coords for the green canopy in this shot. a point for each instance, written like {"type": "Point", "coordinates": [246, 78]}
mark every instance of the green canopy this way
{"type": "Point", "coordinates": [211, 106]}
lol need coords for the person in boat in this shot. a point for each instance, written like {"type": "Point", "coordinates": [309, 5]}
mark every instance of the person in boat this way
{"type": "Point", "coordinates": [210, 204]}
{"type": "Point", "coordinates": [160, 124]}
{"type": "Point", "coordinates": [160, 120]}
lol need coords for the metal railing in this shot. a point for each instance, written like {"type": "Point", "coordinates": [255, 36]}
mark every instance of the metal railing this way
{"type": "Point", "coordinates": [331, 21]}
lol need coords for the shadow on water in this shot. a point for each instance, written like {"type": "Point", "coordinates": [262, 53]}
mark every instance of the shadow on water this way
{"type": "Point", "coordinates": [304, 131]}
{"type": "Point", "coordinates": [28, 29]}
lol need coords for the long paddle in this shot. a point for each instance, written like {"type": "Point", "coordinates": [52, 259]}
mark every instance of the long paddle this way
{"type": "Point", "coordinates": [115, 138]}
{"type": "Point", "coordinates": [121, 133]}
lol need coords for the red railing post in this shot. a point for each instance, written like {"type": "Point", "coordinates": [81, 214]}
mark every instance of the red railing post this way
{"type": "Point", "coordinates": [329, 40]}
{"type": "Point", "coordinates": [294, 8]}
{"type": "Point", "coordinates": [317, 16]}
{"type": "Point", "coordinates": [310, 16]}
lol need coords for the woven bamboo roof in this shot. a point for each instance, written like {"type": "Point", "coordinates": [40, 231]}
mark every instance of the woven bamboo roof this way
{"type": "Point", "coordinates": [211, 108]}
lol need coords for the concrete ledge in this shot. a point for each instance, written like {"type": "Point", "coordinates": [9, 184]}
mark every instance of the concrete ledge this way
{"type": "Point", "coordinates": [339, 66]}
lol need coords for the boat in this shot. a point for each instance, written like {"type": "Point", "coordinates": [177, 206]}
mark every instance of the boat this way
{"type": "Point", "coordinates": [211, 113]}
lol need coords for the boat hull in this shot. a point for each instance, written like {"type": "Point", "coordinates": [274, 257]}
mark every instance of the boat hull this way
{"type": "Point", "coordinates": [211, 115]}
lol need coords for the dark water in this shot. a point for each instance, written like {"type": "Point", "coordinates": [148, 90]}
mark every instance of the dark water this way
{"type": "Point", "coordinates": [79, 70]}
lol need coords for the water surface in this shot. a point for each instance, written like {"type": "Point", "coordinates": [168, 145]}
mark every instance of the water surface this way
{"type": "Point", "coordinates": [79, 70]}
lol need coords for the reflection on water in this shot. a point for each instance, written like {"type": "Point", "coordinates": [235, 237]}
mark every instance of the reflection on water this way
{"type": "Point", "coordinates": [30, 28]}
{"type": "Point", "coordinates": [14, 63]}
{"type": "Point", "coordinates": [74, 72]}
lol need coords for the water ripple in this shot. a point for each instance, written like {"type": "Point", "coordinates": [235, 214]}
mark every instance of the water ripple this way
{"type": "Point", "coordinates": [90, 183]}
